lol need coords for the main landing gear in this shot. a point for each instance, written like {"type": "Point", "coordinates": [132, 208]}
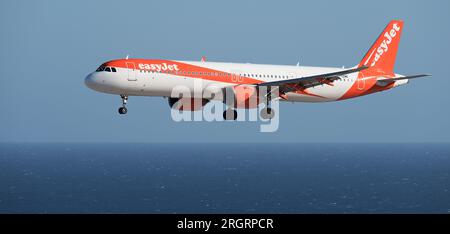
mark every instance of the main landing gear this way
{"type": "Point", "coordinates": [123, 110]}
{"type": "Point", "coordinates": [267, 112]}
{"type": "Point", "coordinates": [230, 114]}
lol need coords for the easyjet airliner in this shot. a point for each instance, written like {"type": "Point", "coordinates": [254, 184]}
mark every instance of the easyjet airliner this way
{"type": "Point", "coordinates": [155, 77]}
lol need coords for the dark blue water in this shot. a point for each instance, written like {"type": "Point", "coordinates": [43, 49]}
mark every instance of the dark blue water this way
{"type": "Point", "coordinates": [224, 178]}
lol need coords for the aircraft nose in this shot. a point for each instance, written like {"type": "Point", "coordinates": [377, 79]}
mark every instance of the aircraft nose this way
{"type": "Point", "coordinates": [89, 81]}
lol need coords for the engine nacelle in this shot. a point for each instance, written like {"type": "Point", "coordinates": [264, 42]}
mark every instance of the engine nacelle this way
{"type": "Point", "coordinates": [187, 104]}
{"type": "Point", "coordinates": [242, 96]}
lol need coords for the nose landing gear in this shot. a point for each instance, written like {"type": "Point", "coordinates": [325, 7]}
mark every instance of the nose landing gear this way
{"type": "Point", "coordinates": [123, 110]}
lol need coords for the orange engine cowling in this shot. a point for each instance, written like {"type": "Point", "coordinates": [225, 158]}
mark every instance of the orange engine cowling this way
{"type": "Point", "coordinates": [187, 104]}
{"type": "Point", "coordinates": [242, 96]}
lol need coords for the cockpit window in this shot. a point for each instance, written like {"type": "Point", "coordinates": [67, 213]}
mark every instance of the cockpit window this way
{"type": "Point", "coordinates": [106, 69]}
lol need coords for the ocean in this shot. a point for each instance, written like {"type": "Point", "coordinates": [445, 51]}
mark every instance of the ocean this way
{"type": "Point", "coordinates": [224, 178]}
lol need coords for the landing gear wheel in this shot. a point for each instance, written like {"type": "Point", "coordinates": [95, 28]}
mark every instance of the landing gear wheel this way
{"type": "Point", "coordinates": [230, 114]}
{"type": "Point", "coordinates": [123, 110]}
{"type": "Point", "coordinates": [267, 113]}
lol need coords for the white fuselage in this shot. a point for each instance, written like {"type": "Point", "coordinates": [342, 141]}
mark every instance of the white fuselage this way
{"type": "Point", "coordinates": [134, 81]}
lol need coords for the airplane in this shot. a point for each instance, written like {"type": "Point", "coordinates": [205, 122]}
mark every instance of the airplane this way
{"type": "Point", "coordinates": [158, 77]}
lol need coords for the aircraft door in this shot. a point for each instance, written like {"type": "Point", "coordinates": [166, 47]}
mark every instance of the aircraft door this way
{"type": "Point", "coordinates": [361, 82]}
{"type": "Point", "coordinates": [131, 67]}
{"type": "Point", "coordinates": [236, 77]}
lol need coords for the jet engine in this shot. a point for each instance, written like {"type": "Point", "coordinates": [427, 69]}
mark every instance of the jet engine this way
{"type": "Point", "coordinates": [187, 104]}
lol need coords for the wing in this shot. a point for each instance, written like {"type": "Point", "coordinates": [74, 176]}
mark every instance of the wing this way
{"type": "Point", "coordinates": [310, 81]}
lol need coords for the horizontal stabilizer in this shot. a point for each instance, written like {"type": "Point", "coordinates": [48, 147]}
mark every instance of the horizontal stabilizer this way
{"type": "Point", "coordinates": [388, 80]}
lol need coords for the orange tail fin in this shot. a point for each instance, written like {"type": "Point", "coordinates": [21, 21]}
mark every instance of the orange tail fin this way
{"type": "Point", "coordinates": [381, 56]}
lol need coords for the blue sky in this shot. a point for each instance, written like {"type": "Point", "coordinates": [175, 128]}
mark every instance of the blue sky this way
{"type": "Point", "coordinates": [48, 47]}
